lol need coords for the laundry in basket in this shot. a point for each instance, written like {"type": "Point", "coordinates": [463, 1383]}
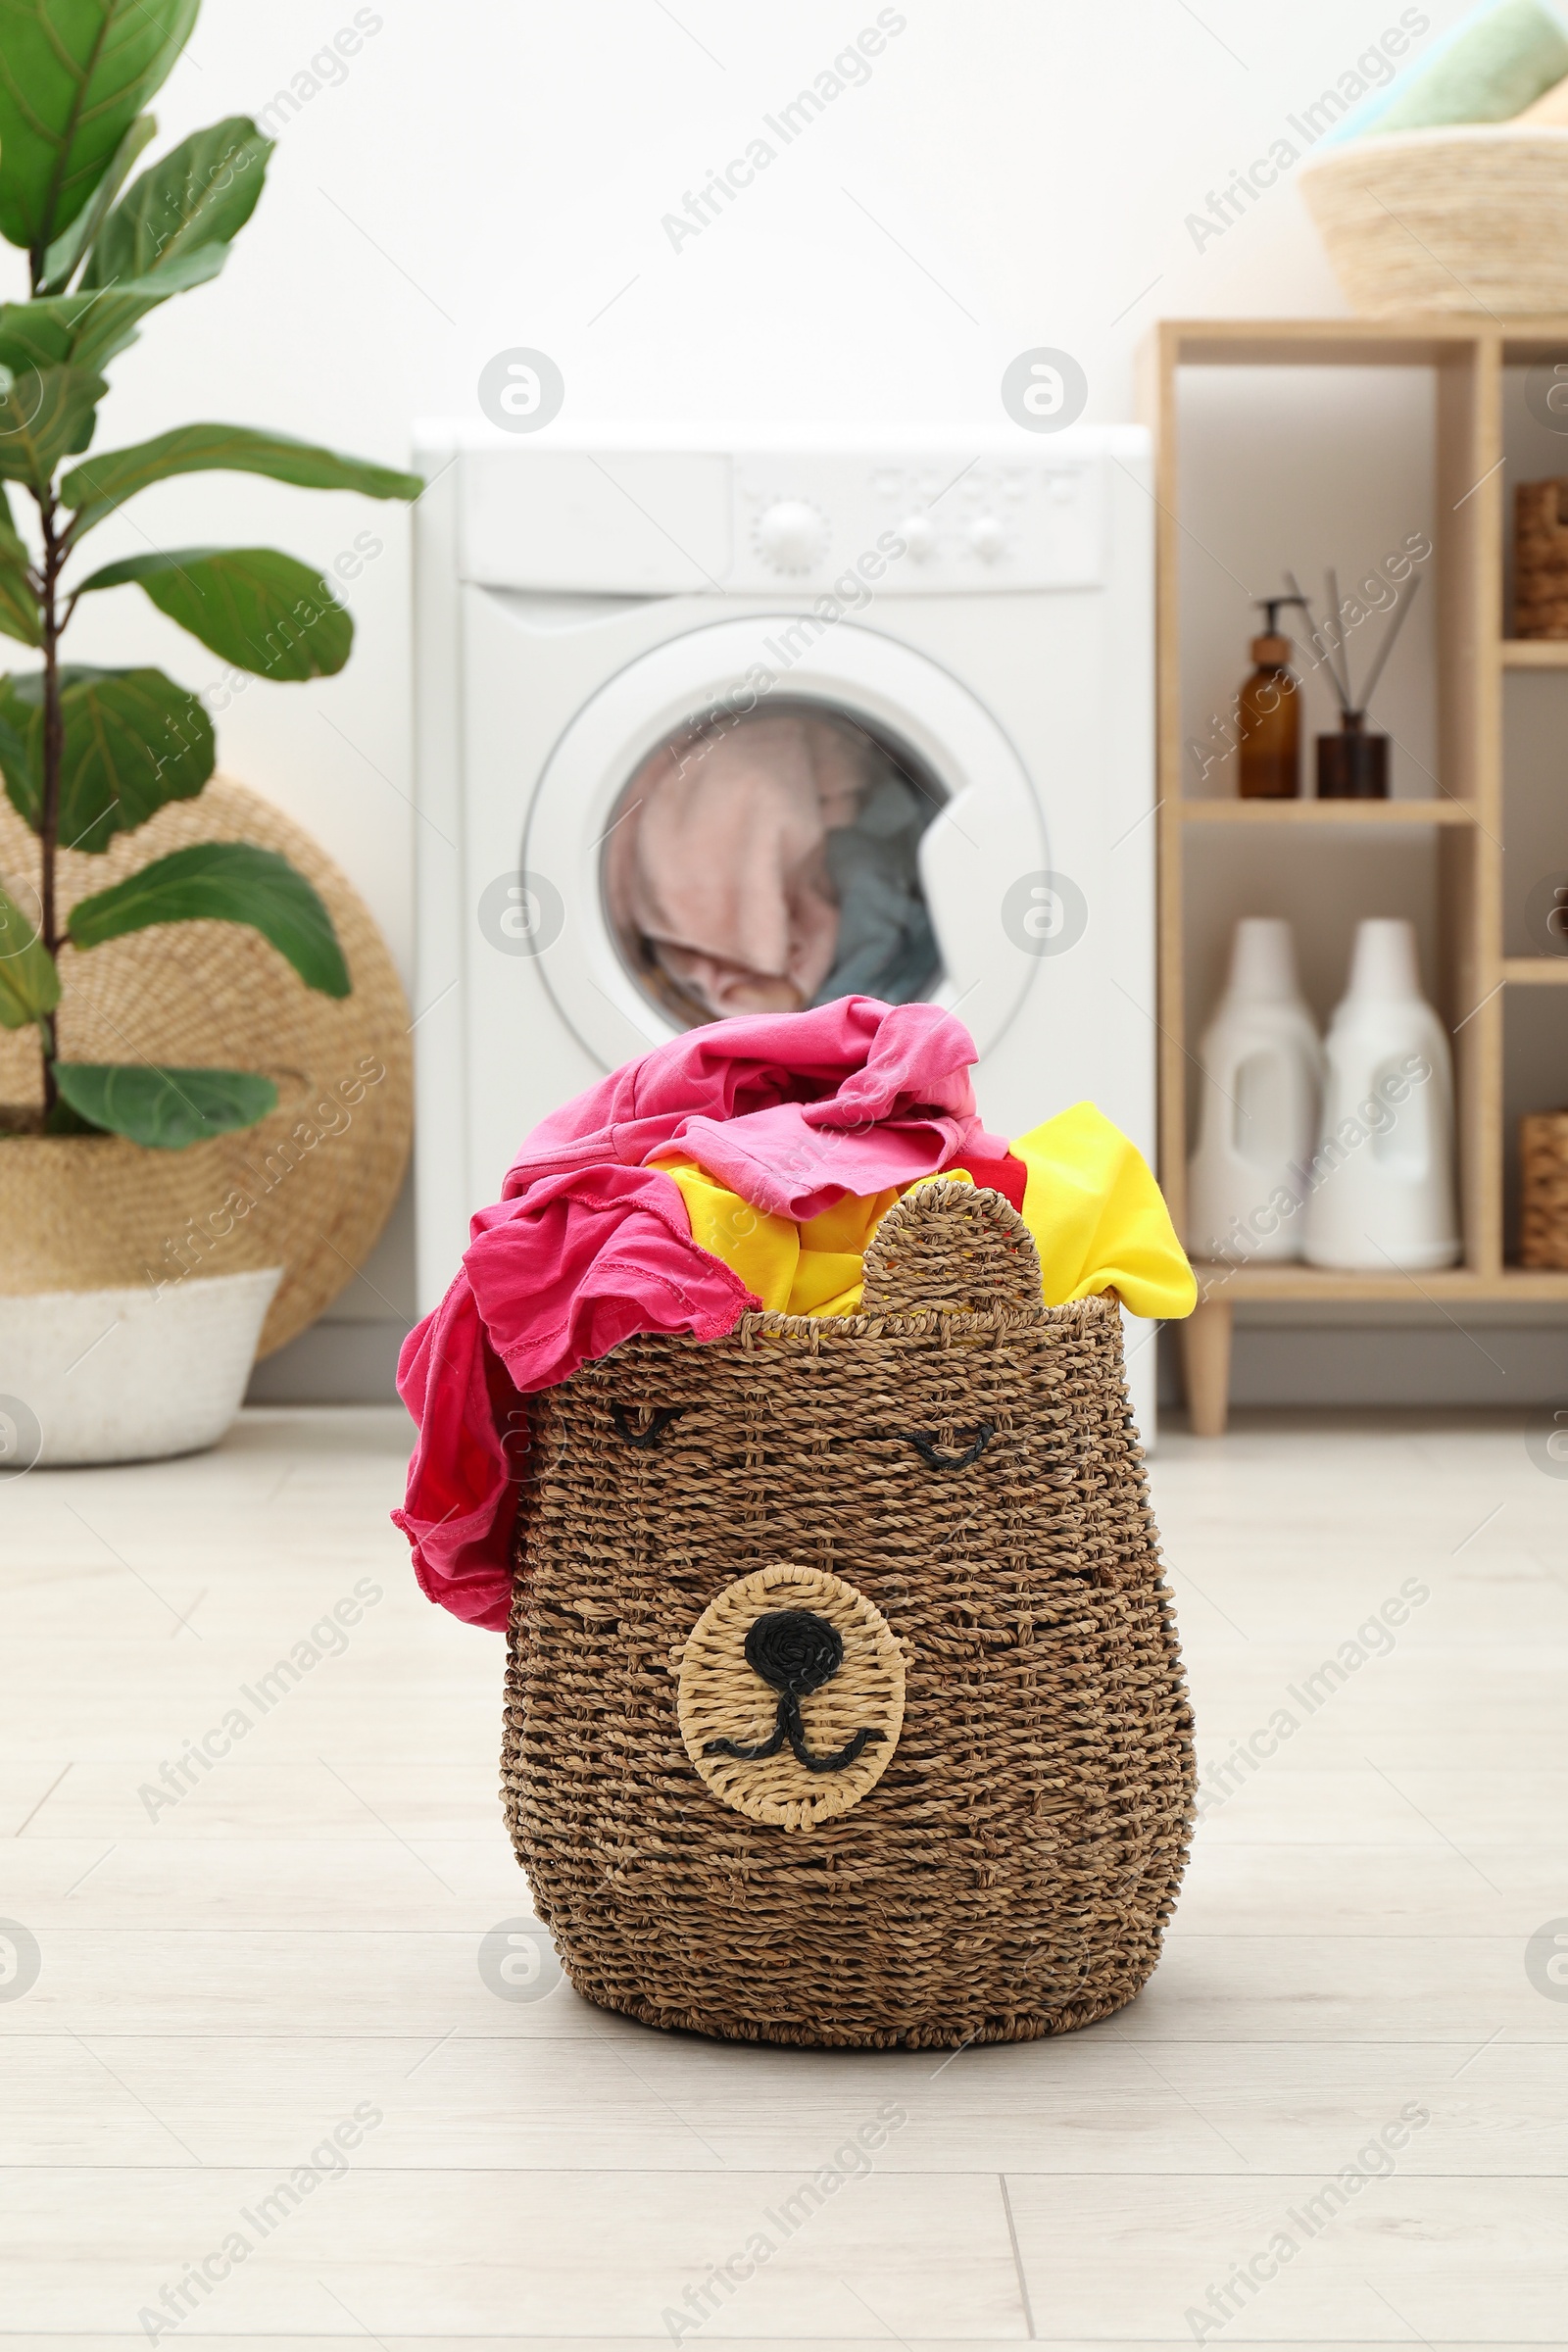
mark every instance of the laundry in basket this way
{"type": "Point", "coordinates": [844, 1702]}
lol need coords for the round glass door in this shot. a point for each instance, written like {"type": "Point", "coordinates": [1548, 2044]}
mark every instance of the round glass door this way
{"type": "Point", "coordinates": [725, 841]}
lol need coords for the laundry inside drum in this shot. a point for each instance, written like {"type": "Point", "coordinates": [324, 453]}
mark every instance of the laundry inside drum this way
{"type": "Point", "coordinates": [770, 861]}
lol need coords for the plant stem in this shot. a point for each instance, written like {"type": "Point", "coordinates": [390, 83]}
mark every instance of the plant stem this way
{"type": "Point", "coordinates": [54, 556]}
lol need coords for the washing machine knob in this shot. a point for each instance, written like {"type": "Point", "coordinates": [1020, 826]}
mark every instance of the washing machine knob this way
{"type": "Point", "coordinates": [792, 535]}
{"type": "Point", "coordinates": [919, 535]}
{"type": "Point", "coordinates": [987, 537]}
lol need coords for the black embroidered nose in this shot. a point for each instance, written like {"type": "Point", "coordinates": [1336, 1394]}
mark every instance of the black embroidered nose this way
{"type": "Point", "coordinates": [795, 1653]}
{"type": "Point", "coordinates": [794, 1649]}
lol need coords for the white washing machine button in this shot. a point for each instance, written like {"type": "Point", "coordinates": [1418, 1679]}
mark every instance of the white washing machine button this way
{"type": "Point", "coordinates": [919, 535]}
{"type": "Point", "coordinates": [791, 535]}
{"type": "Point", "coordinates": [987, 537]}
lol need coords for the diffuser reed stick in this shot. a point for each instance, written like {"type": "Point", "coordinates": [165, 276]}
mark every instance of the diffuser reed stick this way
{"type": "Point", "coordinates": [1353, 766]}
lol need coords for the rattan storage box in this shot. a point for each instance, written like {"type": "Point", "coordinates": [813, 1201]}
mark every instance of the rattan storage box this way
{"type": "Point", "coordinates": [1544, 1189]}
{"type": "Point", "coordinates": [1541, 560]}
{"type": "Point", "coordinates": [844, 1701]}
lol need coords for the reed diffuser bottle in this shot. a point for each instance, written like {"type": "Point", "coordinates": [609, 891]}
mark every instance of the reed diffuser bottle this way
{"type": "Point", "coordinates": [1354, 764]}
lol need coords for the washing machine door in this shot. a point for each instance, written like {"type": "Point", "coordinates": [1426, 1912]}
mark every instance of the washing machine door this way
{"type": "Point", "coordinates": [618, 822]}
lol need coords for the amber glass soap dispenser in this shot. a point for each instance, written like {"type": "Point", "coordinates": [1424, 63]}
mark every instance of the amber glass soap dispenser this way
{"type": "Point", "coordinates": [1268, 731]}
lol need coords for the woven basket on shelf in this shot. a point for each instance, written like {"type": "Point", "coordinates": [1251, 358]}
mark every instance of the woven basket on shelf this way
{"type": "Point", "coordinates": [907, 1554]}
{"type": "Point", "coordinates": [1544, 1189]}
{"type": "Point", "coordinates": [310, 1187]}
{"type": "Point", "coordinates": [1541, 560]}
{"type": "Point", "coordinates": [1470, 217]}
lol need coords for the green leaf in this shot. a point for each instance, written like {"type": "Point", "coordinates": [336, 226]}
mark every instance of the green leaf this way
{"type": "Point", "coordinates": [12, 547]}
{"type": "Point", "coordinates": [166, 1110]}
{"type": "Point", "coordinates": [22, 783]}
{"type": "Point", "coordinates": [134, 741]}
{"type": "Point", "coordinates": [45, 414]}
{"type": "Point", "coordinates": [92, 329]}
{"type": "Point", "coordinates": [73, 75]}
{"type": "Point", "coordinates": [20, 615]}
{"type": "Point", "coordinates": [264, 612]}
{"type": "Point", "coordinates": [67, 251]}
{"type": "Point", "coordinates": [29, 985]}
{"type": "Point", "coordinates": [227, 882]}
{"type": "Point", "coordinates": [202, 193]}
{"type": "Point", "coordinates": [115, 475]}
{"type": "Point", "coordinates": [13, 762]}
{"type": "Point", "coordinates": [61, 1119]}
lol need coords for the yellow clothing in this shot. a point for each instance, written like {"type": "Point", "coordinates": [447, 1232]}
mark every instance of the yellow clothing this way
{"type": "Point", "coordinates": [1099, 1220]}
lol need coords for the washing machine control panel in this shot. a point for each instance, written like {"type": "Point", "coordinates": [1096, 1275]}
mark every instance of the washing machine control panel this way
{"type": "Point", "coordinates": [917, 526]}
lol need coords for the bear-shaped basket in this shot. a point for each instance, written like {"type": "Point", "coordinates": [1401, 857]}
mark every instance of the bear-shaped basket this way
{"type": "Point", "coordinates": [843, 1704]}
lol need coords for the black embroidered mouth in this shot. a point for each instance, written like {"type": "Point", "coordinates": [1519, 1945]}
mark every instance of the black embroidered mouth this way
{"type": "Point", "coordinates": [795, 1653]}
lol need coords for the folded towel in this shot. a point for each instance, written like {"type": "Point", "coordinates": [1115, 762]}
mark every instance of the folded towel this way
{"type": "Point", "coordinates": [1489, 71]}
{"type": "Point", "coordinates": [1549, 113]}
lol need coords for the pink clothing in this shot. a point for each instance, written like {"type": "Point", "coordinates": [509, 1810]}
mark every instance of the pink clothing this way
{"type": "Point", "coordinates": [589, 1244]}
{"type": "Point", "coordinates": [718, 859]}
{"type": "Point", "coordinates": [589, 1259]}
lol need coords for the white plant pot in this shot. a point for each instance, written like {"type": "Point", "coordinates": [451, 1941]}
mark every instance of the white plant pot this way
{"type": "Point", "coordinates": [126, 1375]}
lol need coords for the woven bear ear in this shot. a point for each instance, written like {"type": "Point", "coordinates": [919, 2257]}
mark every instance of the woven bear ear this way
{"type": "Point", "coordinates": [953, 1247]}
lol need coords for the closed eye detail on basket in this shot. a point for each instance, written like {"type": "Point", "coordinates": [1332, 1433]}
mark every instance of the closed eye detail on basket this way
{"type": "Point", "coordinates": [643, 1425]}
{"type": "Point", "coordinates": [924, 1441]}
{"type": "Point", "coordinates": [795, 1651]}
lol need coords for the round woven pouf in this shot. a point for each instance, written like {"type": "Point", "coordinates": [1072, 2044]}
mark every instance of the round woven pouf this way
{"type": "Point", "coordinates": [310, 1188]}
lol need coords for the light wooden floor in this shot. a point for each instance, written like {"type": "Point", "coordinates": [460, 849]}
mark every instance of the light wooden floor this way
{"type": "Point", "coordinates": [297, 1942]}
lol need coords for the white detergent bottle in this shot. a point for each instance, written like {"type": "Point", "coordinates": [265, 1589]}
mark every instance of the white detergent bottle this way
{"type": "Point", "coordinates": [1262, 1069]}
{"type": "Point", "coordinates": [1382, 1177]}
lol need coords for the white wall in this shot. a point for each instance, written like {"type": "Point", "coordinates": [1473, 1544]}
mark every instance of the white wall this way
{"type": "Point", "coordinates": [493, 172]}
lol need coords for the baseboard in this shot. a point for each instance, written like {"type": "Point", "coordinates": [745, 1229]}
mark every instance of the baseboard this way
{"type": "Point", "coordinates": [332, 1364]}
{"type": "Point", "coordinates": [1436, 1362]}
{"type": "Point", "coordinates": [1431, 1363]}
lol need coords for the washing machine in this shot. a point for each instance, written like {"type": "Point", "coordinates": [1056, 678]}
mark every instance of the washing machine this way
{"type": "Point", "coordinates": [722, 721]}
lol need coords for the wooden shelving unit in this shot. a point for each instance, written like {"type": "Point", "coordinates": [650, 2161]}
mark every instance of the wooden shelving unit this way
{"type": "Point", "coordinates": [1467, 357]}
{"type": "Point", "coordinates": [1325, 813]}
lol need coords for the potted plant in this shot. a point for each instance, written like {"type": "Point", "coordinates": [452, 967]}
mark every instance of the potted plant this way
{"type": "Point", "coordinates": [88, 754]}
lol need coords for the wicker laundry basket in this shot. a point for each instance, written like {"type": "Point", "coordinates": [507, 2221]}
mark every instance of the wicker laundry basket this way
{"type": "Point", "coordinates": [843, 1704]}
